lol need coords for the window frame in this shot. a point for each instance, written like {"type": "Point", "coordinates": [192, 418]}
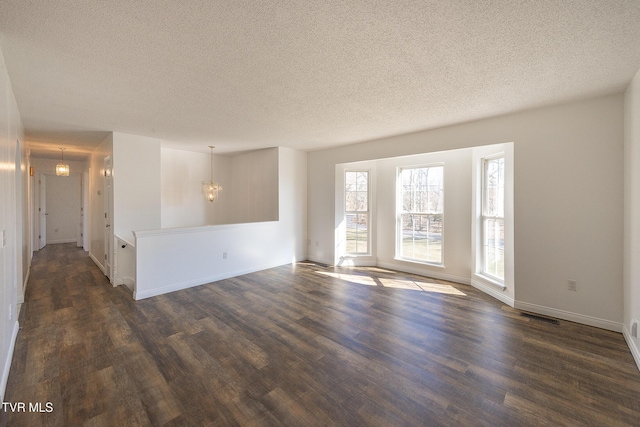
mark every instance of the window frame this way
{"type": "Point", "coordinates": [399, 213]}
{"type": "Point", "coordinates": [357, 212]}
{"type": "Point", "coordinates": [484, 217]}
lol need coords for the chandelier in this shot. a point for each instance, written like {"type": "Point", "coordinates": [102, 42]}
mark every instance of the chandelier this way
{"type": "Point", "coordinates": [210, 188]}
{"type": "Point", "coordinates": [62, 169]}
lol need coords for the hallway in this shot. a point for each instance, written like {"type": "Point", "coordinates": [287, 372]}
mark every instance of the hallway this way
{"type": "Point", "coordinates": [304, 345]}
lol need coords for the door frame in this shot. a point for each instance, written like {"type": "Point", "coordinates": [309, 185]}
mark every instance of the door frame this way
{"type": "Point", "coordinates": [108, 217]}
{"type": "Point", "coordinates": [42, 211]}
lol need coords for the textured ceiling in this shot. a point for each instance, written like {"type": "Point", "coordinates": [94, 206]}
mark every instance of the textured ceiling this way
{"type": "Point", "coordinates": [251, 74]}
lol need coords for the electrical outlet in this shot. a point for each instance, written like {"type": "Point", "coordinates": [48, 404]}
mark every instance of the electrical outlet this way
{"type": "Point", "coordinates": [573, 285]}
{"type": "Point", "coordinates": [634, 328]}
{"type": "Point", "coordinates": [224, 255]}
{"type": "Point", "coordinates": [10, 311]}
{"type": "Point", "coordinates": [4, 239]}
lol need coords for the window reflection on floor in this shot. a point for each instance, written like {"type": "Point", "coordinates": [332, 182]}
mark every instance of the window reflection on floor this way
{"type": "Point", "coordinates": [413, 285]}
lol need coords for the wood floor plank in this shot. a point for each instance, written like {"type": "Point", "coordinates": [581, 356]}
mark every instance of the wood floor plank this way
{"type": "Point", "coordinates": [305, 344]}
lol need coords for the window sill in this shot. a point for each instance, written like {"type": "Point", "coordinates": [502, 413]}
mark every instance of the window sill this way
{"type": "Point", "coordinates": [490, 281]}
{"type": "Point", "coordinates": [424, 263]}
{"type": "Point", "coordinates": [361, 260]}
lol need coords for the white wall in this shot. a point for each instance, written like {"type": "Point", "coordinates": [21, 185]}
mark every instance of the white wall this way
{"type": "Point", "coordinates": [63, 208]}
{"type": "Point", "coordinates": [47, 167]}
{"type": "Point", "coordinates": [183, 203]}
{"type": "Point", "coordinates": [255, 186]}
{"type": "Point", "coordinates": [98, 245]}
{"type": "Point", "coordinates": [568, 180]}
{"type": "Point", "coordinates": [569, 203]}
{"type": "Point", "coordinates": [249, 188]}
{"type": "Point", "coordinates": [136, 200]}
{"type": "Point", "coordinates": [124, 266]}
{"type": "Point", "coordinates": [136, 184]}
{"type": "Point", "coordinates": [632, 214]}
{"type": "Point", "coordinates": [292, 203]}
{"type": "Point", "coordinates": [23, 216]}
{"type": "Point", "coordinates": [172, 259]}
{"type": "Point", "coordinates": [11, 202]}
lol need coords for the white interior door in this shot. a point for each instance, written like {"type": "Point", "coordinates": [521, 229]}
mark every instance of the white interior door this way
{"type": "Point", "coordinates": [42, 209]}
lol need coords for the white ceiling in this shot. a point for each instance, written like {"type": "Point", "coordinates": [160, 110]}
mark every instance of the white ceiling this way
{"type": "Point", "coordinates": [250, 74]}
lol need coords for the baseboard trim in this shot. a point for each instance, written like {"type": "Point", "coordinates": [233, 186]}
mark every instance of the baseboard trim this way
{"type": "Point", "coordinates": [129, 283]}
{"type": "Point", "coordinates": [635, 352]}
{"type": "Point", "coordinates": [100, 266]}
{"type": "Point", "coordinates": [55, 242]}
{"type": "Point", "coordinates": [423, 272]}
{"type": "Point", "coordinates": [196, 282]}
{"type": "Point", "coordinates": [24, 287]}
{"type": "Point", "coordinates": [348, 261]}
{"type": "Point", "coordinates": [570, 316]}
{"type": "Point", "coordinates": [319, 261]}
{"type": "Point", "coordinates": [494, 291]}
{"type": "Point", "coordinates": [9, 358]}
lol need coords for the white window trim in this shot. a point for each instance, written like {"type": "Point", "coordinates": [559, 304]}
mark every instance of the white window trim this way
{"type": "Point", "coordinates": [368, 212]}
{"type": "Point", "coordinates": [398, 252]}
{"type": "Point", "coordinates": [482, 273]}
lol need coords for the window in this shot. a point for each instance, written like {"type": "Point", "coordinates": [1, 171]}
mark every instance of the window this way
{"type": "Point", "coordinates": [421, 214]}
{"type": "Point", "coordinates": [493, 217]}
{"type": "Point", "coordinates": [356, 191]}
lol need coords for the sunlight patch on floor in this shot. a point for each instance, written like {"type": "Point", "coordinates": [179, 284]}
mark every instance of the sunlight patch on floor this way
{"type": "Point", "coordinates": [395, 283]}
{"type": "Point", "coordinates": [421, 286]}
{"type": "Point", "coordinates": [353, 278]}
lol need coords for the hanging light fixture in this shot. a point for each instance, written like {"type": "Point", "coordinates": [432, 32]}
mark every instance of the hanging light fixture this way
{"type": "Point", "coordinates": [211, 188]}
{"type": "Point", "coordinates": [62, 169]}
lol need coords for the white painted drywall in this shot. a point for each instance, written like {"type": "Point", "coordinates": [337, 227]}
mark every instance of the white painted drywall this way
{"type": "Point", "coordinates": [136, 184]}
{"type": "Point", "coordinates": [632, 214]}
{"type": "Point", "coordinates": [23, 212]}
{"type": "Point", "coordinates": [63, 208]}
{"type": "Point", "coordinates": [568, 181]}
{"type": "Point", "coordinates": [97, 246]}
{"type": "Point", "coordinates": [10, 209]}
{"type": "Point", "coordinates": [172, 259]}
{"type": "Point", "coordinates": [124, 266]}
{"type": "Point", "coordinates": [47, 167]}
{"type": "Point", "coordinates": [183, 202]}
{"type": "Point", "coordinates": [292, 203]}
{"type": "Point", "coordinates": [249, 188]}
{"type": "Point", "coordinates": [255, 186]}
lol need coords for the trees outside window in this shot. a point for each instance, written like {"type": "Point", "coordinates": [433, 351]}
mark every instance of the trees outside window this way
{"type": "Point", "coordinates": [357, 212]}
{"type": "Point", "coordinates": [421, 214]}
{"type": "Point", "coordinates": [493, 217]}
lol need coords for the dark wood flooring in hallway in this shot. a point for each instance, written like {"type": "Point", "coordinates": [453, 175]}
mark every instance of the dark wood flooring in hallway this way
{"type": "Point", "coordinates": [304, 345]}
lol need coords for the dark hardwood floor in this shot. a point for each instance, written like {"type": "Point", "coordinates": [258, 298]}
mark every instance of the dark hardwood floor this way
{"type": "Point", "coordinates": [305, 345]}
